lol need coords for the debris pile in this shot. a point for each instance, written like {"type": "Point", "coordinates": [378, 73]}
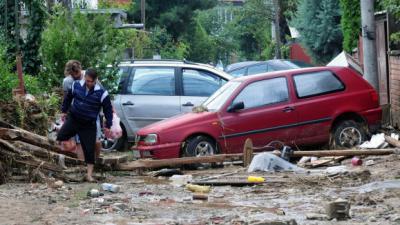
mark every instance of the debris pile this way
{"type": "Point", "coordinates": [32, 156]}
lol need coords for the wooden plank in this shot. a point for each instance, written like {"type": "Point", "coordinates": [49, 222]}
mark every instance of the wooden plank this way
{"type": "Point", "coordinates": [247, 152]}
{"type": "Point", "coordinates": [43, 153]}
{"type": "Point", "coordinates": [31, 138]}
{"type": "Point", "coordinates": [344, 152]}
{"type": "Point", "coordinates": [392, 141]}
{"type": "Point", "coordinates": [175, 161]}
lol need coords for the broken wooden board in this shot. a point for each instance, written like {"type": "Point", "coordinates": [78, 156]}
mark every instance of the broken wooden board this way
{"type": "Point", "coordinates": [49, 155]}
{"type": "Point", "coordinates": [392, 141]}
{"type": "Point", "coordinates": [344, 152]}
{"type": "Point", "coordinates": [112, 160]}
{"type": "Point", "coordinates": [152, 163]}
{"type": "Point", "coordinates": [31, 138]}
{"type": "Point", "coordinates": [247, 152]}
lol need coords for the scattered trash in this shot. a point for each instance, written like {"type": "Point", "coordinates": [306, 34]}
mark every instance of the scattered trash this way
{"type": "Point", "coordinates": [180, 180]}
{"type": "Point", "coordinates": [198, 196]}
{"type": "Point", "coordinates": [395, 136]}
{"type": "Point", "coordinates": [335, 170]}
{"type": "Point", "coordinates": [167, 172]}
{"type": "Point", "coordinates": [316, 216]}
{"type": "Point", "coordinates": [110, 187]}
{"type": "Point", "coordinates": [377, 141]}
{"type": "Point", "coordinates": [370, 162]}
{"type": "Point", "coordinates": [120, 207]}
{"type": "Point", "coordinates": [304, 160]}
{"type": "Point", "coordinates": [269, 162]}
{"type": "Point", "coordinates": [379, 185]}
{"type": "Point", "coordinates": [338, 209]}
{"type": "Point", "coordinates": [255, 179]}
{"type": "Point", "coordinates": [58, 184]}
{"type": "Point", "coordinates": [143, 193]}
{"type": "Point", "coordinates": [356, 161]}
{"type": "Point", "coordinates": [94, 193]}
{"type": "Point", "coordinates": [198, 188]}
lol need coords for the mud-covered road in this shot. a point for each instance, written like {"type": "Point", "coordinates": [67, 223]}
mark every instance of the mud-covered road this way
{"type": "Point", "coordinates": [286, 198]}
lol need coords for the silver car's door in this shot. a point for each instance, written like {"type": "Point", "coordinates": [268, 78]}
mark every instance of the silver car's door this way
{"type": "Point", "coordinates": [151, 96]}
{"type": "Point", "coordinates": [197, 86]}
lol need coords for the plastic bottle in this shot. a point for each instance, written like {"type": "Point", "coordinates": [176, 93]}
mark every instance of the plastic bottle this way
{"type": "Point", "coordinates": [255, 179]}
{"type": "Point", "coordinates": [94, 193]}
{"type": "Point", "coordinates": [110, 187]}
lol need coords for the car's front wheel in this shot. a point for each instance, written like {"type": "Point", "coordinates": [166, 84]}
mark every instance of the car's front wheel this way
{"type": "Point", "coordinates": [348, 134]}
{"type": "Point", "coordinates": [200, 146]}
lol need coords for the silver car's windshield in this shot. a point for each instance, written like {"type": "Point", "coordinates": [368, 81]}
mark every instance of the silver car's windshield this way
{"type": "Point", "coordinates": [215, 101]}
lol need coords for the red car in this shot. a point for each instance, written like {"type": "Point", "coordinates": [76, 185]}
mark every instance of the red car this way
{"type": "Point", "coordinates": [301, 107]}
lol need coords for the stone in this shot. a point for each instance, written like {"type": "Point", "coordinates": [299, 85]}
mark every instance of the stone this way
{"type": "Point", "coordinates": [372, 219]}
{"type": "Point", "coordinates": [120, 207]}
{"type": "Point", "coordinates": [395, 218]}
{"type": "Point", "coordinates": [338, 209]}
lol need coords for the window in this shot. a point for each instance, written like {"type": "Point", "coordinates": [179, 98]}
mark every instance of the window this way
{"type": "Point", "coordinates": [317, 83]}
{"type": "Point", "coordinates": [264, 92]}
{"type": "Point", "coordinates": [262, 68]}
{"type": "Point", "coordinates": [200, 83]}
{"type": "Point", "coordinates": [238, 72]}
{"type": "Point", "coordinates": [122, 76]}
{"type": "Point", "coordinates": [153, 81]}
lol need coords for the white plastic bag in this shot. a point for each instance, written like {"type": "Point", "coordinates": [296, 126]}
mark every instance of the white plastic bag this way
{"type": "Point", "coordinates": [116, 130]}
{"type": "Point", "coordinates": [269, 162]}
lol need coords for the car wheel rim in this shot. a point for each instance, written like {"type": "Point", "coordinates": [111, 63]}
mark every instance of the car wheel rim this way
{"type": "Point", "coordinates": [204, 148]}
{"type": "Point", "coordinates": [350, 137]}
{"type": "Point", "coordinates": [108, 144]}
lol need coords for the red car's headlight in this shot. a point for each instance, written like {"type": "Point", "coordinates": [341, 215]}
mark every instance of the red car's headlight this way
{"type": "Point", "coordinates": [151, 139]}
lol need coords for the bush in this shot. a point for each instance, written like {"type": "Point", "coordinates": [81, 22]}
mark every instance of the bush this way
{"type": "Point", "coordinates": [89, 38]}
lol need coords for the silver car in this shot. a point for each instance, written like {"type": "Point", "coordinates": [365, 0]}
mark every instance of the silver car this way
{"type": "Point", "coordinates": [153, 90]}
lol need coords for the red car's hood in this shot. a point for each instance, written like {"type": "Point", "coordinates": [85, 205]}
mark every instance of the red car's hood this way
{"type": "Point", "coordinates": [178, 121]}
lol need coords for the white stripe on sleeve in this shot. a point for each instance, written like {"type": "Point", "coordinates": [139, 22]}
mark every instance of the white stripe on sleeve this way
{"type": "Point", "coordinates": [105, 94]}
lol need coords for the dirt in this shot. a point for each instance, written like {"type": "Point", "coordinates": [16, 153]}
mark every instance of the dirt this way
{"type": "Point", "coordinates": [285, 198]}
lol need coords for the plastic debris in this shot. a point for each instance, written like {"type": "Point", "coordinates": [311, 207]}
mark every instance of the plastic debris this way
{"type": "Point", "coordinates": [269, 162]}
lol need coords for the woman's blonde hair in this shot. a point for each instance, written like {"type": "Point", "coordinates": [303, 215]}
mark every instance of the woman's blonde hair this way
{"type": "Point", "coordinates": [72, 66]}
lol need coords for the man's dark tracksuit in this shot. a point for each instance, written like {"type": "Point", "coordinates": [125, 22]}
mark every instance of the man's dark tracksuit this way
{"type": "Point", "coordinates": [83, 112]}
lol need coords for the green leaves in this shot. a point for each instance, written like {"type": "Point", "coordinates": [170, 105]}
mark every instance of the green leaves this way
{"type": "Point", "coordinates": [89, 38]}
{"type": "Point", "coordinates": [318, 22]}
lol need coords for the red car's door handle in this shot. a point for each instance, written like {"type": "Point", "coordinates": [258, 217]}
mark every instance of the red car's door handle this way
{"type": "Point", "coordinates": [288, 109]}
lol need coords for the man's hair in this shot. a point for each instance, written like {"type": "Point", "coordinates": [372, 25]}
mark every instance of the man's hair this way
{"type": "Point", "coordinates": [72, 66]}
{"type": "Point", "coordinates": [91, 73]}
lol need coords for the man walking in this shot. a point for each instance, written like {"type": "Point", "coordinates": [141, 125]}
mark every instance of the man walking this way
{"type": "Point", "coordinates": [87, 98]}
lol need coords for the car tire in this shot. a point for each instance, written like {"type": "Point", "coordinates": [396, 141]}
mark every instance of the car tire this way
{"type": "Point", "coordinates": [348, 134]}
{"type": "Point", "coordinates": [111, 144]}
{"type": "Point", "coordinates": [199, 146]}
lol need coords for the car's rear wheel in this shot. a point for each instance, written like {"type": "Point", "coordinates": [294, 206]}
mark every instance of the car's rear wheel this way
{"type": "Point", "coordinates": [348, 134]}
{"type": "Point", "coordinates": [199, 146]}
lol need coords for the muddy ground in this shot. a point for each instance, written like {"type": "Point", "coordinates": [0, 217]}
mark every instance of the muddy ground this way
{"type": "Point", "coordinates": [286, 198]}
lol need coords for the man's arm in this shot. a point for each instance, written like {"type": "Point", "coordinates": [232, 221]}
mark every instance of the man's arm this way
{"type": "Point", "coordinates": [107, 109]}
{"type": "Point", "coordinates": [67, 101]}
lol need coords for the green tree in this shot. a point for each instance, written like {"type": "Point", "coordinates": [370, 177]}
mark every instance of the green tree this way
{"type": "Point", "coordinates": [162, 43]}
{"type": "Point", "coordinates": [202, 46]}
{"type": "Point", "coordinates": [318, 22]}
{"type": "Point", "coordinates": [37, 18]}
{"type": "Point", "coordinates": [393, 6]}
{"type": "Point", "coordinates": [350, 23]}
{"type": "Point", "coordinates": [91, 39]}
{"type": "Point", "coordinates": [176, 16]}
